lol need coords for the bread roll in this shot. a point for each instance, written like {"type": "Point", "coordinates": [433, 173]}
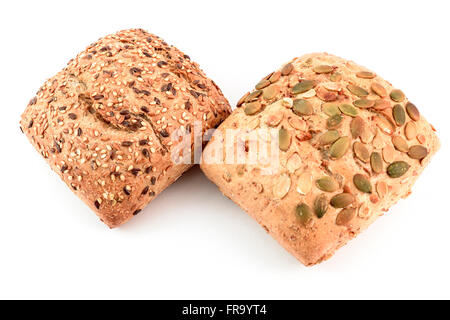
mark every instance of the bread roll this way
{"type": "Point", "coordinates": [349, 145]}
{"type": "Point", "coordinates": [104, 123]}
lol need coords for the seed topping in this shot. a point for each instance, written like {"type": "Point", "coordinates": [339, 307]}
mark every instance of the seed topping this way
{"type": "Point", "coordinates": [400, 144]}
{"type": "Point", "coordinates": [327, 184]}
{"type": "Point", "coordinates": [304, 214]}
{"type": "Point", "coordinates": [365, 75]}
{"type": "Point", "coordinates": [348, 110]}
{"type": "Point", "coordinates": [302, 107]}
{"type": "Point", "coordinates": [357, 91]}
{"type": "Point", "coordinates": [329, 137]}
{"type": "Point", "coordinates": [362, 183]}
{"type": "Point", "coordinates": [339, 148]}
{"type": "Point", "coordinates": [345, 216]}
{"type": "Point", "coordinates": [397, 95]}
{"type": "Point", "coordinates": [376, 162]}
{"type": "Point", "coordinates": [252, 108]}
{"type": "Point", "coordinates": [323, 69]}
{"type": "Point", "coordinates": [342, 200]}
{"type": "Point", "coordinates": [284, 139]}
{"type": "Point", "coordinates": [282, 186]}
{"type": "Point", "coordinates": [361, 152]}
{"type": "Point", "coordinates": [320, 205]}
{"type": "Point", "coordinates": [303, 86]}
{"type": "Point", "coordinates": [287, 69]}
{"type": "Point", "coordinates": [397, 169]}
{"type": "Point", "coordinates": [417, 152]}
{"type": "Point", "coordinates": [364, 103]}
{"type": "Point", "coordinates": [412, 111]}
{"type": "Point", "coordinates": [399, 115]}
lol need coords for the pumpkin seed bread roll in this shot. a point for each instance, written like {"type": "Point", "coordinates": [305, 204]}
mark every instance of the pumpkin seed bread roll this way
{"type": "Point", "coordinates": [350, 146]}
{"type": "Point", "coordinates": [104, 123]}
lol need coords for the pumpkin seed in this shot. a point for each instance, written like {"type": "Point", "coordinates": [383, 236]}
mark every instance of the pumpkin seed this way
{"type": "Point", "coordinates": [270, 92]}
{"type": "Point", "coordinates": [327, 184]}
{"type": "Point", "coordinates": [342, 200]}
{"type": "Point", "coordinates": [357, 91]}
{"type": "Point", "coordinates": [400, 144]}
{"type": "Point", "coordinates": [323, 69]}
{"type": "Point", "coordinates": [334, 121]}
{"type": "Point", "coordinates": [417, 152]}
{"type": "Point", "coordinates": [293, 163]}
{"type": "Point", "coordinates": [332, 86]}
{"type": "Point", "coordinates": [379, 89]}
{"type": "Point", "coordinates": [362, 183]}
{"type": "Point", "coordinates": [273, 119]}
{"type": "Point", "coordinates": [367, 135]}
{"type": "Point", "coordinates": [304, 183]}
{"type": "Point", "coordinates": [321, 205]}
{"type": "Point", "coordinates": [262, 84]}
{"type": "Point", "coordinates": [388, 154]}
{"type": "Point", "coordinates": [364, 103]}
{"type": "Point", "coordinates": [345, 216]}
{"type": "Point", "coordinates": [376, 162]}
{"type": "Point", "coordinates": [410, 130]}
{"type": "Point", "coordinates": [253, 124]}
{"type": "Point", "coordinates": [381, 104]}
{"type": "Point", "coordinates": [421, 138]}
{"type": "Point", "coordinates": [356, 127]}
{"type": "Point", "coordinates": [302, 107]}
{"type": "Point", "coordinates": [335, 77]}
{"type": "Point", "coordinates": [253, 96]}
{"type": "Point", "coordinates": [399, 115]}
{"type": "Point", "coordinates": [309, 94]}
{"type": "Point", "coordinates": [304, 214]}
{"type": "Point", "coordinates": [365, 75]}
{"type": "Point", "coordinates": [348, 110]}
{"type": "Point", "coordinates": [412, 111]}
{"type": "Point", "coordinates": [385, 125]}
{"type": "Point", "coordinates": [397, 169]}
{"type": "Point", "coordinates": [252, 107]}
{"type": "Point", "coordinates": [339, 147]}
{"type": "Point", "coordinates": [397, 95]}
{"type": "Point", "coordinates": [378, 141]}
{"type": "Point", "coordinates": [287, 69]}
{"type": "Point", "coordinates": [268, 76]}
{"type": "Point", "coordinates": [329, 137]}
{"type": "Point", "coordinates": [284, 139]}
{"type": "Point", "coordinates": [364, 211]}
{"type": "Point", "coordinates": [382, 189]}
{"type": "Point", "coordinates": [282, 186]}
{"type": "Point", "coordinates": [297, 123]}
{"type": "Point", "coordinates": [330, 109]}
{"type": "Point", "coordinates": [303, 86]}
{"type": "Point", "coordinates": [275, 77]}
{"type": "Point", "coordinates": [361, 152]}
{"type": "Point", "coordinates": [242, 99]}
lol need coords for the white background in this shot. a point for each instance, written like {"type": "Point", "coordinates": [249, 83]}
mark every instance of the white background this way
{"type": "Point", "coordinates": [192, 242]}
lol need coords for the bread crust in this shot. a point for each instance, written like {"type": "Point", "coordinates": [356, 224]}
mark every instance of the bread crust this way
{"type": "Point", "coordinates": [261, 195]}
{"type": "Point", "coordinates": [104, 122]}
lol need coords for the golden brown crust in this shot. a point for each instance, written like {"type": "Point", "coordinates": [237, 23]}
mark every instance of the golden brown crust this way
{"type": "Point", "coordinates": [104, 122]}
{"type": "Point", "coordinates": [288, 202]}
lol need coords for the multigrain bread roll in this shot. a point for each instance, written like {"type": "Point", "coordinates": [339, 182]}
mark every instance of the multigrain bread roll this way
{"type": "Point", "coordinates": [104, 123]}
{"type": "Point", "coordinates": [350, 145]}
